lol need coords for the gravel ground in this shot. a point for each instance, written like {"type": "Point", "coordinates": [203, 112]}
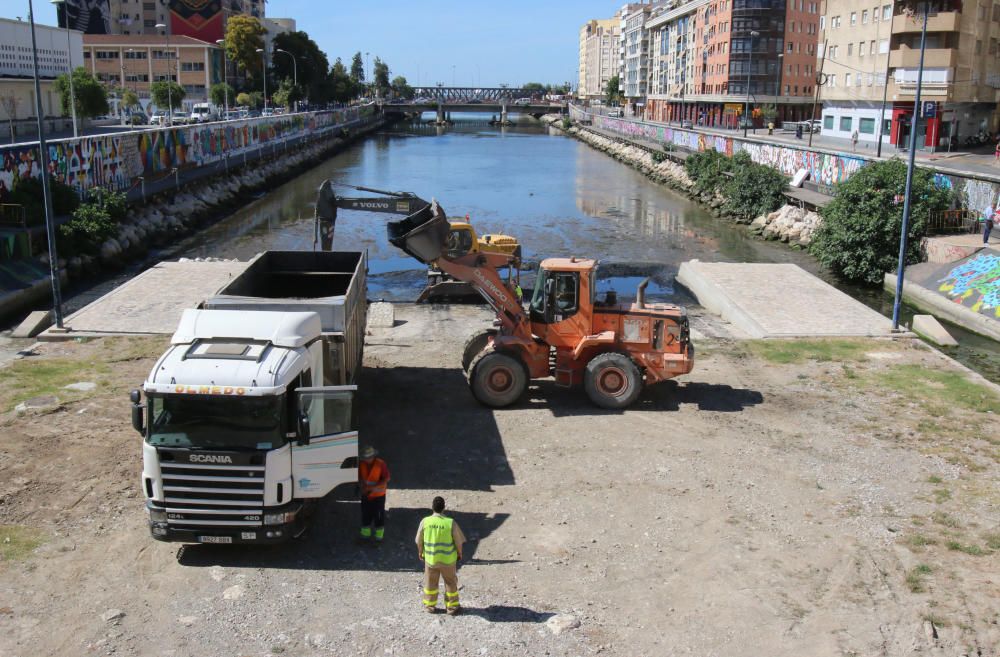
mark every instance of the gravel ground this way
{"type": "Point", "coordinates": [756, 507]}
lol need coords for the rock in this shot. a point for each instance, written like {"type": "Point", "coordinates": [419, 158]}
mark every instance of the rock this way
{"type": "Point", "coordinates": [233, 593]}
{"type": "Point", "coordinates": [381, 315]}
{"type": "Point", "coordinates": [112, 615]}
{"type": "Point", "coordinates": [81, 386]}
{"type": "Point", "coordinates": [43, 403]}
{"type": "Point", "coordinates": [217, 573]}
{"type": "Point", "coordinates": [187, 621]}
{"type": "Point", "coordinates": [562, 622]}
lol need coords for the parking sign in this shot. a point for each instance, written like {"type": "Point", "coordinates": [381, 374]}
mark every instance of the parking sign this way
{"type": "Point", "coordinates": [929, 109]}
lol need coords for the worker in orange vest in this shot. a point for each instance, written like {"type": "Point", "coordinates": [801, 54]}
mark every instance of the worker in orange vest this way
{"type": "Point", "coordinates": [373, 478]}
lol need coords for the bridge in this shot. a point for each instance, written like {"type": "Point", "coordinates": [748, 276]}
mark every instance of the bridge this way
{"type": "Point", "coordinates": [491, 100]}
{"type": "Point", "coordinates": [460, 94]}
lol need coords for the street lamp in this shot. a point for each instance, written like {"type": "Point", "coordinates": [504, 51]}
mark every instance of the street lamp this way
{"type": "Point", "coordinates": [225, 76]}
{"type": "Point", "coordinates": [43, 161]}
{"type": "Point", "coordinates": [295, 72]}
{"type": "Point", "coordinates": [746, 108]}
{"type": "Point", "coordinates": [777, 85]}
{"type": "Point", "coordinates": [69, 64]}
{"type": "Point", "coordinates": [170, 79]}
{"type": "Point", "coordinates": [263, 70]}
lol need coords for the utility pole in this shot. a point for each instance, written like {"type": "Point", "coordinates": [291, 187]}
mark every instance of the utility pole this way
{"type": "Point", "coordinates": [43, 161]}
{"type": "Point", "coordinates": [69, 60]}
{"type": "Point", "coordinates": [885, 90]}
{"type": "Point", "coordinates": [225, 76]}
{"type": "Point", "coordinates": [820, 81]}
{"type": "Point", "coordinates": [901, 268]}
{"type": "Point", "coordinates": [263, 70]}
{"type": "Point", "coordinates": [746, 111]}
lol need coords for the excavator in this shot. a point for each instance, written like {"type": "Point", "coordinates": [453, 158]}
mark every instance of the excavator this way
{"type": "Point", "coordinates": [613, 350]}
{"type": "Point", "coordinates": [462, 238]}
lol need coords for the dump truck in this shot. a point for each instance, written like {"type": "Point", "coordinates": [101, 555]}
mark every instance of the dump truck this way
{"type": "Point", "coordinates": [248, 417]}
{"type": "Point", "coordinates": [462, 237]}
{"type": "Point", "coordinates": [610, 349]}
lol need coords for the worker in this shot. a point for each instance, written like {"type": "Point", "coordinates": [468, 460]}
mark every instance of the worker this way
{"type": "Point", "coordinates": [439, 544]}
{"type": "Point", "coordinates": [373, 478]}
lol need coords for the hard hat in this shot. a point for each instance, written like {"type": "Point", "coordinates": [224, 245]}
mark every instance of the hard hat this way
{"type": "Point", "coordinates": [369, 452]}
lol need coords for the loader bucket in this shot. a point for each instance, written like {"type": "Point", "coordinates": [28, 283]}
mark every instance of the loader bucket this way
{"type": "Point", "coordinates": [423, 234]}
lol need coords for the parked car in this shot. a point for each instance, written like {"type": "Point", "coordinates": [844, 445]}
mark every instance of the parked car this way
{"type": "Point", "coordinates": [232, 115]}
{"type": "Point", "coordinates": [202, 113]}
{"type": "Point", "coordinates": [158, 118]}
{"type": "Point", "coordinates": [522, 101]}
{"type": "Point", "coordinates": [268, 112]}
{"type": "Point", "coordinates": [816, 125]}
{"type": "Point", "coordinates": [616, 113]}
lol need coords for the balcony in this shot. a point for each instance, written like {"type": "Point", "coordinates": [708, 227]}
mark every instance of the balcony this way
{"type": "Point", "coordinates": [945, 21]}
{"type": "Point", "coordinates": [906, 57]}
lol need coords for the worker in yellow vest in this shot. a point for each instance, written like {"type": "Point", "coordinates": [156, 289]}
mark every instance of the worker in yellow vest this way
{"type": "Point", "coordinates": [373, 479]}
{"type": "Point", "coordinates": [439, 544]}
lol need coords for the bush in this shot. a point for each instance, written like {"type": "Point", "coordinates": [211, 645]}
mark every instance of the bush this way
{"type": "Point", "coordinates": [859, 237]}
{"type": "Point", "coordinates": [707, 169]}
{"type": "Point", "coordinates": [659, 157]}
{"type": "Point", "coordinates": [28, 193]}
{"type": "Point", "coordinates": [754, 189]}
{"type": "Point", "coordinates": [92, 224]}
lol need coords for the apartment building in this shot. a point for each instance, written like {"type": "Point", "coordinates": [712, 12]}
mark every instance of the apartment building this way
{"type": "Point", "coordinates": [195, 18]}
{"type": "Point", "coordinates": [136, 61]}
{"type": "Point", "coordinates": [873, 52]}
{"type": "Point", "coordinates": [712, 58]}
{"type": "Point", "coordinates": [57, 51]}
{"type": "Point", "coordinates": [598, 56]}
{"type": "Point", "coordinates": [633, 61]}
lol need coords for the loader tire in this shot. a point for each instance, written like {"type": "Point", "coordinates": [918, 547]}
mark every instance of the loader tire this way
{"type": "Point", "coordinates": [475, 344]}
{"type": "Point", "coordinates": [497, 379]}
{"type": "Point", "coordinates": [612, 380]}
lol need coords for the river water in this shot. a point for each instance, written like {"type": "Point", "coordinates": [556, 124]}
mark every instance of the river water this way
{"type": "Point", "coordinates": [558, 196]}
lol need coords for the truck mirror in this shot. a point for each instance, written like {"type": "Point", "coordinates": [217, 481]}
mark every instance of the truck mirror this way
{"type": "Point", "coordinates": [138, 418]}
{"type": "Point", "coordinates": [135, 396]}
{"type": "Point", "coordinates": [302, 429]}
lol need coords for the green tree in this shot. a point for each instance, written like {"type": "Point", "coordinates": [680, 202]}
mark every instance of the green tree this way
{"type": "Point", "coordinates": [256, 99]}
{"type": "Point", "coordinates": [243, 99]}
{"type": "Point", "coordinates": [166, 94]}
{"type": "Point", "coordinates": [754, 189]}
{"type": "Point", "coordinates": [312, 62]}
{"type": "Point", "coordinates": [129, 99]}
{"type": "Point", "coordinates": [286, 94]}
{"type": "Point", "coordinates": [613, 91]}
{"type": "Point", "coordinates": [402, 88]}
{"type": "Point", "coordinates": [381, 74]}
{"type": "Point", "coordinates": [222, 94]}
{"type": "Point", "coordinates": [244, 35]}
{"type": "Point", "coordinates": [534, 88]}
{"type": "Point", "coordinates": [91, 96]}
{"type": "Point", "coordinates": [357, 68]}
{"type": "Point", "coordinates": [341, 83]}
{"type": "Point", "coordinates": [859, 237]}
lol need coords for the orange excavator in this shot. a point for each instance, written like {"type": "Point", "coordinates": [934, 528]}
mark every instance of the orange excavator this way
{"type": "Point", "coordinates": [611, 349]}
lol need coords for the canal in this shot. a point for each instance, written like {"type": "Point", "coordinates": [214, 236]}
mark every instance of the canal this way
{"type": "Point", "coordinates": [558, 196]}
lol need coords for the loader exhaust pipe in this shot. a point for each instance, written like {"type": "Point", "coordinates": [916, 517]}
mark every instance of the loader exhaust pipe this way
{"type": "Point", "coordinates": [640, 294]}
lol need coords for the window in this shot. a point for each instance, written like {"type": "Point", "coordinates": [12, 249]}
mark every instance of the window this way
{"type": "Point", "coordinates": [828, 122]}
{"type": "Point", "coordinates": [861, 49]}
{"type": "Point", "coordinates": [850, 49]}
{"type": "Point", "coordinates": [887, 12]}
{"type": "Point", "coordinates": [866, 126]}
{"type": "Point", "coordinates": [871, 48]}
{"type": "Point", "coordinates": [854, 18]}
{"type": "Point", "coordinates": [864, 17]}
{"type": "Point", "coordinates": [883, 46]}
{"type": "Point", "coordinates": [845, 123]}
{"type": "Point", "coordinates": [857, 79]}
{"type": "Point", "coordinates": [192, 66]}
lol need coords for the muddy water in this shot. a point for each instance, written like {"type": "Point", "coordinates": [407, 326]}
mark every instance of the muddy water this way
{"type": "Point", "coordinates": [557, 195]}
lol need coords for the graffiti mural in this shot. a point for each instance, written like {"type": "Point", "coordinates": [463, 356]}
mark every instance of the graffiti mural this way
{"type": "Point", "coordinates": [116, 161]}
{"type": "Point", "coordinates": [824, 168]}
{"type": "Point", "coordinates": [975, 283]}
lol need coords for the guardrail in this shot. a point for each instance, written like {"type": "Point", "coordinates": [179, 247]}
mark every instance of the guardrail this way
{"type": "Point", "coordinates": [953, 221]}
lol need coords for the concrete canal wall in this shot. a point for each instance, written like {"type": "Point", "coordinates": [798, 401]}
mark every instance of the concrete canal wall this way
{"type": "Point", "coordinates": [826, 167]}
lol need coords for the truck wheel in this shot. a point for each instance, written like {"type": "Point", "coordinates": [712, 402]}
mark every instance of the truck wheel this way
{"type": "Point", "coordinates": [612, 380]}
{"type": "Point", "coordinates": [475, 344]}
{"type": "Point", "coordinates": [497, 380]}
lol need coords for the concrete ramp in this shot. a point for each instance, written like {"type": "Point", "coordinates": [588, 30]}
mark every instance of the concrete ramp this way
{"type": "Point", "coordinates": [151, 303]}
{"type": "Point", "coordinates": [779, 301]}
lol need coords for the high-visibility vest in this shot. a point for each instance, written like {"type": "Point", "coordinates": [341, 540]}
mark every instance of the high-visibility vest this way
{"type": "Point", "coordinates": [439, 546]}
{"type": "Point", "coordinates": [370, 476]}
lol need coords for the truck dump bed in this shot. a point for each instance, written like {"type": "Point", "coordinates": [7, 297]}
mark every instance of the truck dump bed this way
{"type": "Point", "coordinates": [332, 284]}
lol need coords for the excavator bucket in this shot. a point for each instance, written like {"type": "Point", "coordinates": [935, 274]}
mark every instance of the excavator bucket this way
{"type": "Point", "coordinates": [423, 234]}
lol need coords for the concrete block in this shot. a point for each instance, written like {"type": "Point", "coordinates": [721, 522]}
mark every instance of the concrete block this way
{"type": "Point", "coordinates": [381, 315]}
{"type": "Point", "coordinates": [33, 324]}
{"type": "Point", "coordinates": [927, 327]}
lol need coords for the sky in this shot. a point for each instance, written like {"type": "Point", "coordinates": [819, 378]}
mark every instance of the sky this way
{"type": "Point", "coordinates": [470, 43]}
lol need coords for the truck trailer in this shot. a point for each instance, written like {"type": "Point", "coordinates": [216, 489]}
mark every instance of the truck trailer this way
{"type": "Point", "coordinates": [248, 417]}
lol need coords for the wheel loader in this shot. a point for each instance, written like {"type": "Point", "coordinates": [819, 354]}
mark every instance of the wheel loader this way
{"type": "Point", "coordinates": [566, 332]}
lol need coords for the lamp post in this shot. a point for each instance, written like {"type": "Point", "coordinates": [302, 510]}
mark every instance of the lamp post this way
{"type": "Point", "coordinates": [225, 76]}
{"type": "Point", "coordinates": [746, 107]}
{"type": "Point", "coordinates": [295, 72]}
{"type": "Point", "coordinates": [777, 85]}
{"type": "Point", "coordinates": [263, 71]}
{"type": "Point", "coordinates": [43, 161]}
{"type": "Point", "coordinates": [69, 65]}
{"type": "Point", "coordinates": [901, 267]}
{"type": "Point", "coordinates": [170, 78]}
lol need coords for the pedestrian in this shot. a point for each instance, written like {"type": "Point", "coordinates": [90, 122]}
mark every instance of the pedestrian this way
{"type": "Point", "coordinates": [996, 154]}
{"type": "Point", "coordinates": [988, 217]}
{"type": "Point", "coordinates": [854, 140]}
{"type": "Point", "coordinates": [439, 544]}
{"type": "Point", "coordinates": [373, 479]}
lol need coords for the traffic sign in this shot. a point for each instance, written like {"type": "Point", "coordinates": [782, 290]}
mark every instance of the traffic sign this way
{"type": "Point", "coordinates": [929, 110]}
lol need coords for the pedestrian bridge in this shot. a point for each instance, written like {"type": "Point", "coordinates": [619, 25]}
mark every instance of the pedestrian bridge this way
{"type": "Point", "coordinates": [491, 100]}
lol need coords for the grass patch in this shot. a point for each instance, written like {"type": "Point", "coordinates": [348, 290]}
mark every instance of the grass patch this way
{"type": "Point", "coordinates": [915, 578]}
{"type": "Point", "coordinates": [934, 479]}
{"type": "Point", "coordinates": [17, 543]}
{"type": "Point", "coordinates": [992, 540]}
{"type": "Point", "coordinates": [919, 541]}
{"type": "Point", "coordinates": [942, 518]}
{"type": "Point", "coordinates": [797, 351]}
{"type": "Point", "coordinates": [970, 549]}
{"type": "Point", "coordinates": [924, 385]}
{"type": "Point", "coordinates": [34, 377]}
{"type": "Point", "coordinates": [942, 495]}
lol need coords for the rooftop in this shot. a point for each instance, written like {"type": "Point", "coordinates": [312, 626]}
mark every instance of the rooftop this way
{"type": "Point", "coordinates": [143, 40]}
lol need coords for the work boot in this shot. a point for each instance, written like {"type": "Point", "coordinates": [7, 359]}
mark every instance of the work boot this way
{"type": "Point", "coordinates": [454, 611]}
{"type": "Point", "coordinates": [379, 534]}
{"type": "Point", "coordinates": [430, 610]}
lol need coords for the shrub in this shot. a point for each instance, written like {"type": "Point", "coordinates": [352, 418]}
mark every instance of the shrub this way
{"type": "Point", "coordinates": [92, 224]}
{"type": "Point", "coordinates": [707, 169]}
{"type": "Point", "coordinates": [754, 189]}
{"type": "Point", "coordinates": [659, 157]}
{"type": "Point", "coordinates": [859, 237]}
{"type": "Point", "coordinates": [27, 192]}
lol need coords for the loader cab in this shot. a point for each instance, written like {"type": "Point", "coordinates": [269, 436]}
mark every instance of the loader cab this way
{"type": "Point", "coordinates": [562, 302]}
{"type": "Point", "coordinates": [461, 239]}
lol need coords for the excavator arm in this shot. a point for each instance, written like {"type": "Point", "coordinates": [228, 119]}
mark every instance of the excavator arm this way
{"type": "Point", "coordinates": [328, 202]}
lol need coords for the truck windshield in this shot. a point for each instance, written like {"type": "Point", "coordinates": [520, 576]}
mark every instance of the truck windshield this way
{"type": "Point", "coordinates": [216, 422]}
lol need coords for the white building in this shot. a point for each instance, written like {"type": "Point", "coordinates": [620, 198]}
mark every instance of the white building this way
{"type": "Point", "coordinates": [633, 62]}
{"type": "Point", "coordinates": [57, 51]}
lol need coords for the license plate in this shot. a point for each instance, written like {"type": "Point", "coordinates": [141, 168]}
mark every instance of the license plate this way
{"type": "Point", "coordinates": [215, 539]}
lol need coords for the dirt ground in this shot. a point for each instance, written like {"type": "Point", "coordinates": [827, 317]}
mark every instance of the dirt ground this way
{"type": "Point", "coordinates": [785, 498]}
